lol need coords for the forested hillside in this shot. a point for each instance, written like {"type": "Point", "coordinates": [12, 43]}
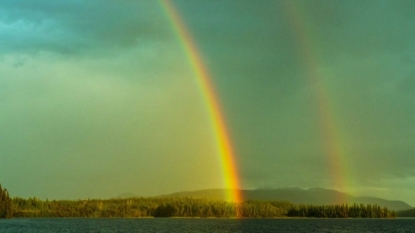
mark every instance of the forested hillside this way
{"type": "Point", "coordinates": [312, 196]}
{"type": "Point", "coordinates": [179, 207]}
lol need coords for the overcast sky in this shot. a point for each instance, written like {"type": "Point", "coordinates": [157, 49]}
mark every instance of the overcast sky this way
{"type": "Point", "coordinates": [99, 99]}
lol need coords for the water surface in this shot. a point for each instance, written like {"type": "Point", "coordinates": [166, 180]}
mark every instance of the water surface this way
{"type": "Point", "coordinates": [177, 225]}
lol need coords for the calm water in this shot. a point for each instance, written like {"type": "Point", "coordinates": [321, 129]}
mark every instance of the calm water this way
{"type": "Point", "coordinates": [79, 225]}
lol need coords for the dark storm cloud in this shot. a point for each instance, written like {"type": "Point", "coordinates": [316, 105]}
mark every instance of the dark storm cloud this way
{"type": "Point", "coordinates": [73, 26]}
{"type": "Point", "coordinates": [260, 40]}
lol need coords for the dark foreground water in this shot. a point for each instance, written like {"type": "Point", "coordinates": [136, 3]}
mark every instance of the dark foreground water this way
{"type": "Point", "coordinates": [79, 225]}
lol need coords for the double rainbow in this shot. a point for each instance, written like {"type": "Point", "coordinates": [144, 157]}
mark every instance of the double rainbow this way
{"type": "Point", "coordinates": [224, 146]}
{"type": "Point", "coordinates": [333, 149]}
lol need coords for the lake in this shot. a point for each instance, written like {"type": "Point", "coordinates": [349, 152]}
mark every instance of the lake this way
{"type": "Point", "coordinates": [182, 225]}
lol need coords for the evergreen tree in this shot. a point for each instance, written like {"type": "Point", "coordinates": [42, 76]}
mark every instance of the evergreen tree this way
{"type": "Point", "coordinates": [5, 204]}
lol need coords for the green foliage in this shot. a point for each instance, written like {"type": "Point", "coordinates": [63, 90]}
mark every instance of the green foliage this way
{"type": "Point", "coordinates": [5, 204]}
{"type": "Point", "coordinates": [340, 211]}
{"type": "Point", "coordinates": [188, 207]}
{"type": "Point", "coordinates": [406, 213]}
{"type": "Point", "coordinates": [147, 207]}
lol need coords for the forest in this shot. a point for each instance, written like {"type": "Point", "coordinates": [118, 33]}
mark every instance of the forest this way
{"type": "Point", "coordinates": [406, 213]}
{"type": "Point", "coordinates": [340, 211]}
{"type": "Point", "coordinates": [179, 207]}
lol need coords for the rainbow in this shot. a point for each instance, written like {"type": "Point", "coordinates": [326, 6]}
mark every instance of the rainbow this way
{"type": "Point", "coordinates": [224, 146]}
{"type": "Point", "coordinates": [334, 149]}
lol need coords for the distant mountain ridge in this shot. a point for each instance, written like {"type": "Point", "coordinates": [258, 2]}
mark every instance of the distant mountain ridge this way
{"type": "Point", "coordinates": [312, 196]}
{"type": "Point", "coordinates": [126, 195]}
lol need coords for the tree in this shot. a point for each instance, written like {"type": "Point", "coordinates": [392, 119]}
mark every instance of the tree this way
{"type": "Point", "coordinates": [5, 204]}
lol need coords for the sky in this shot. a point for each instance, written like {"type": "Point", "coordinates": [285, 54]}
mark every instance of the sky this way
{"type": "Point", "coordinates": [99, 99]}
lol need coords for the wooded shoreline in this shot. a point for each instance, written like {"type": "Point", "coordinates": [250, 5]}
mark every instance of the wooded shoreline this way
{"type": "Point", "coordinates": [184, 207]}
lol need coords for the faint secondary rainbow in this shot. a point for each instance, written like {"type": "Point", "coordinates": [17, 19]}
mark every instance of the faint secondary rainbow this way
{"type": "Point", "coordinates": [227, 157]}
{"type": "Point", "coordinates": [333, 146]}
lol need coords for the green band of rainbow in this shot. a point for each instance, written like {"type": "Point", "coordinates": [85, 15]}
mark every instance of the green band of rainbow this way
{"type": "Point", "coordinates": [225, 151]}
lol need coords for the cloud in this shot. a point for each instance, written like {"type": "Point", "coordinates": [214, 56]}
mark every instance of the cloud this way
{"type": "Point", "coordinates": [74, 27]}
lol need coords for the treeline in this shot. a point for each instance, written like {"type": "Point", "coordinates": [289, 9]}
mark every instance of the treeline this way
{"type": "Point", "coordinates": [5, 204]}
{"type": "Point", "coordinates": [147, 207]}
{"type": "Point", "coordinates": [188, 207]}
{"type": "Point", "coordinates": [406, 213]}
{"type": "Point", "coordinates": [178, 207]}
{"type": "Point", "coordinates": [341, 211]}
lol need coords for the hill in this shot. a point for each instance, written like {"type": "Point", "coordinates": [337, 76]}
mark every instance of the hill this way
{"type": "Point", "coordinates": [312, 196]}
